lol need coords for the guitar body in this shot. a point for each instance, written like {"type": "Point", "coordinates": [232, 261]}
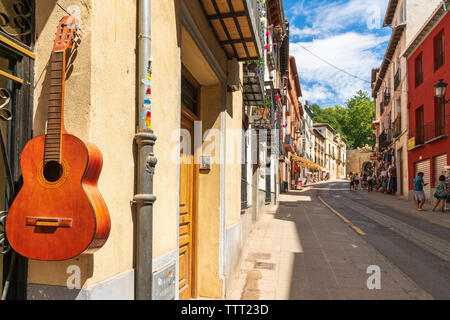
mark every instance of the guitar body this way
{"type": "Point", "coordinates": [58, 216]}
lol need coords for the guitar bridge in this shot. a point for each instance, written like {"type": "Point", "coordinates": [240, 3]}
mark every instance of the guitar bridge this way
{"type": "Point", "coordinates": [48, 222]}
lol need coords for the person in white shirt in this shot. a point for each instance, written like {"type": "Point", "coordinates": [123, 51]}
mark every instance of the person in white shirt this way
{"type": "Point", "coordinates": [356, 182]}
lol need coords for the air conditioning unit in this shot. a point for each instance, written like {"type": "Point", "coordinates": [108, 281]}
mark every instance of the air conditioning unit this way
{"type": "Point", "coordinates": [234, 80]}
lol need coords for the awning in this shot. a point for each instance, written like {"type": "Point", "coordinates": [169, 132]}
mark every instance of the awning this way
{"type": "Point", "coordinates": [237, 26]}
{"type": "Point", "coordinates": [302, 162]}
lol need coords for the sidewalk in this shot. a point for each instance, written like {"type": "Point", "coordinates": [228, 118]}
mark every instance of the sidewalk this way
{"type": "Point", "coordinates": [303, 251]}
{"type": "Point", "coordinates": [408, 207]}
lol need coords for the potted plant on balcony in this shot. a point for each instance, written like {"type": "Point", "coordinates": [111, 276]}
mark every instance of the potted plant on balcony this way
{"type": "Point", "coordinates": [265, 113]}
{"type": "Point", "coordinates": [252, 65]}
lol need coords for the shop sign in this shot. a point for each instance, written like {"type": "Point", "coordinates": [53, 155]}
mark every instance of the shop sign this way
{"type": "Point", "coordinates": [411, 143]}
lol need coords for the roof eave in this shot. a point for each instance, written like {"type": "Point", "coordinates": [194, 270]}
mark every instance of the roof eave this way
{"type": "Point", "coordinates": [392, 46]}
{"type": "Point", "coordinates": [390, 12]}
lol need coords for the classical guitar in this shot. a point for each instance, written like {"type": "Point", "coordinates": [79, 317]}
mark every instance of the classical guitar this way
{"type": "Point", "coordinates": [59, 213]}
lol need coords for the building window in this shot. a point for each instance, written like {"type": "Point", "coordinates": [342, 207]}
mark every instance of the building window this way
{"type": "Point", "coordinates": [439, 112]}
{"type": "Point", "coordinates": [419, 126]}
{"type": "Point", "coordinates": [439, 51]}
{"type": "Point", "coordinates": [418, 70]}
{"type": "Point", "coordinates": [189, 95]}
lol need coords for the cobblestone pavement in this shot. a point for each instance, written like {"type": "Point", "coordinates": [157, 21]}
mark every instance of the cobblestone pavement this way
{"type": "Point", "coordinates": [304, 251]}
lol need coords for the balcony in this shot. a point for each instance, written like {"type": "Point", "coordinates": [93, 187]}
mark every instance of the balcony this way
{"type": "Point", "coordinates": [271, 61]}
{"type": "Point", "coordinates": [431, 131]}
{"type": "Point", "coordinates": [271, 54]}
{"type": "Point", "coordinates": [385, 138]}
{"type": "Point", "coordinates": [386, 97]}
{"type": "Point", "coordinates": [260, 118]}
{"type": "Point", "coordinates": [289, 143]}
{"type": "Point", "coordinates": [253, 84]}
{"type": "Point", "coordinates": [397, 125]}
{"type": "Point", "coordinates": [237, 26]}
{"type": "Point", "coordinates": [397, 78]}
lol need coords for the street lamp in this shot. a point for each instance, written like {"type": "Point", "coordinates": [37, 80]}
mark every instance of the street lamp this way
{"type": "Point", "coordinates": [440, 90]}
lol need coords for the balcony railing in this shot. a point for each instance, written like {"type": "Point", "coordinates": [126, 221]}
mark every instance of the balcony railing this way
{"type": "Point", "coordinates": [385, 138]}
{"type": "Point", "coordinates": [386, 97]}
{"type": "Point", "coordinates": [397, 126]}
{"type": "Point", "coordinates": [431, 130]}
{"type": "Point", "coordinates": [253, 84]}
{"type": "Point", "coordinates": [397, 78]}
{"type": "Point", "coordinates": [289, 143]}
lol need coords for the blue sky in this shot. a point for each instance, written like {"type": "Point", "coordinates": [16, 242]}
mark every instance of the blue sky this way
{"type": "Point", "coordinates": [346, 33]}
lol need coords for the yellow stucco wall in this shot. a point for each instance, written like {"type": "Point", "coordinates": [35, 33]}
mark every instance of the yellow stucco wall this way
{"type": "Point", "coordinates": [209, 283]}
{"type": "Point", "coordinates": [234, 157]}
{"type": "Point", "coordinates": [165, 121]}
{"type": "Point", "coordinates": [99, 107]}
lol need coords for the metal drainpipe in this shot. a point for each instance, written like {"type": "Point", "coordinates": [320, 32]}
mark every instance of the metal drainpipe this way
{"type": "Point", "coordinates": [146, 162]}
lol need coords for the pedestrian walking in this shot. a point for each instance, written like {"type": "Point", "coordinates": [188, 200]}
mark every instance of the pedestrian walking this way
{"type": "Point", "coordinates": [352, 181]}
{"type": "Point", "coordinates": [364, 180]}
{"type": "Point", "coordinates": [441, 193]}
{"type": "Point", "coordinates": [419, 194]}
{"type": "Point", "coordinates": [356, 182]}
{"type": "Point", "coordinates": [370, 182]}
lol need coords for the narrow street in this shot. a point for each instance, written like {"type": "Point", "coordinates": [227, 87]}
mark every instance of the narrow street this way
{"type": "Point", "coordinates": [304, 250]}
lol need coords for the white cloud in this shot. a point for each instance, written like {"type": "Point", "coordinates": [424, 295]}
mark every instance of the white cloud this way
{"type": "Point", "coordinates": [316, 92]}
{"type": "Point", "coordinates": [305, 32]}
{"type": "Point", "coordinates": [345, 33]}
{"type": "Point", "coordinates": [326, 17]}
{"type": "Point", "coordinates": [350, 51]}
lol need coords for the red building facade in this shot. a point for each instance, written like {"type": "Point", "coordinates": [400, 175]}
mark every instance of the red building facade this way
{"type": "Point", "coordinates": [429, 121]}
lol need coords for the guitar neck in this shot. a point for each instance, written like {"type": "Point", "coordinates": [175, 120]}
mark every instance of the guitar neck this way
{"type": "Point", "coordinates": [55, 118]}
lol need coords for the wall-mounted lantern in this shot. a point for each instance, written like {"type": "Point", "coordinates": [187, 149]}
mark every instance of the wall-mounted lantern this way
{"type": "Point", "coordinates": [440, 89]}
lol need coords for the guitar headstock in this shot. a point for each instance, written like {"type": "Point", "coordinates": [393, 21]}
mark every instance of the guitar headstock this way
{"type": "Point", "coordinates": [65, 34]}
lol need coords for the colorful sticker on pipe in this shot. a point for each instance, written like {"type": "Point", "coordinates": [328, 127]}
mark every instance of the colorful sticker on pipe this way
{"type": "Point", "coordinates": [148, 119]}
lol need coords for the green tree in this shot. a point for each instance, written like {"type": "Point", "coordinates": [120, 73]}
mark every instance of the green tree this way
{"type": "Point", "coordinates": [354, 121]}
{"type": "Point", "coordinates": [360, 111]}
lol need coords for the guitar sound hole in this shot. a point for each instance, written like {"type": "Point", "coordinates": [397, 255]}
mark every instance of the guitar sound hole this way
{"type": "Point", "coordinates": [53, 171]}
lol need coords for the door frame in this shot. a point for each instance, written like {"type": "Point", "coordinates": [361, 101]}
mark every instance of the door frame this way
{"type": "Point", "coordinates": [188, 115]}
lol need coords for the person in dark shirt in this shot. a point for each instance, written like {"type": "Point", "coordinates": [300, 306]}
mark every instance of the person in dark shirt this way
{"type": "Point", "coordinates": [370, 183]}
{"type": "Point", "coordinates": [441, 193]}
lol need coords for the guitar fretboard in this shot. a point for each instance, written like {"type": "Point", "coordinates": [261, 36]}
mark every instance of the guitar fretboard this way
{"type": "Point", "coordinates": [55, 108]}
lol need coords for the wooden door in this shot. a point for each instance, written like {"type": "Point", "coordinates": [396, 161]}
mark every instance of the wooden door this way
{"type": "Point", "coordinates": [187, 207]}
